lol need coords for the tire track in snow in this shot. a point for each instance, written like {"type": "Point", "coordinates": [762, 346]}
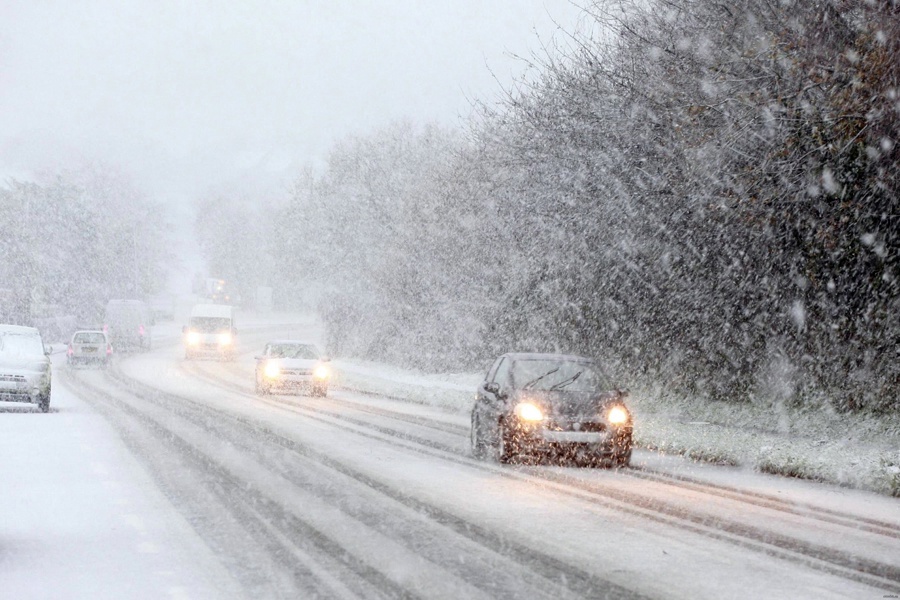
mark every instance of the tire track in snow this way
{"type": "Point", "coordinates": [871, 572]}
{"type": "Point", "coordinates": [559, 579]}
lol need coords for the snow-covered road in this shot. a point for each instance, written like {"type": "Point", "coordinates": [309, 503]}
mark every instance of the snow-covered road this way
{"type": "Point", "coordinates": [167, 478]}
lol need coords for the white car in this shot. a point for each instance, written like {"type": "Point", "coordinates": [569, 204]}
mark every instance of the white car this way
{"type": "Point", "coordinates": [24, 366]}
{"type": "Point", "coordinates": [89, 347]}
{"type": "Point", "coordinates": [292, 364]}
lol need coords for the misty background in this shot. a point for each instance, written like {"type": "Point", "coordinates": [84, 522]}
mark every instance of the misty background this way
{"type": "Point", "coordinates": [703, 196]}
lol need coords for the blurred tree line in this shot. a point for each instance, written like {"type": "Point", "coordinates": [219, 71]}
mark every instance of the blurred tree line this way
{"type": "Point", "coordinates": [702, 194]}
{"type": "Point", "coordinates": [74, 240]}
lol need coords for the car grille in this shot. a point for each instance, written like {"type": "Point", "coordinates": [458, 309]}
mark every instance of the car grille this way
{"type": "Point", "coordinates": [296, 372]}
{"type": "Point", "coordinates": [13, 378]}
{"type": "Point", "coordinates": [582, 426]}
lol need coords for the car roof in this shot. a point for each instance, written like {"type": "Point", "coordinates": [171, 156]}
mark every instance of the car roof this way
{"type": "Point", "coordinates": [295, 342]}
{"type": "Point", "coordinates": [18, 329]}
{"type": "Point", "coordinates": [88, 331]}
{"type": "Point", "coordinates": [548, 356]}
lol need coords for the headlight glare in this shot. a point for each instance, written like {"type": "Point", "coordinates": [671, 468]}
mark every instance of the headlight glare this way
{"type": "Point", "coordinates": [321, 372]}
{"type": "Point", "coordinates": [193, 338]}
{"type": "Point", "coordinates": [272, 369]}
{"type": "Point", "coordinates": [225, 339]}
{"type": "Point", "coordinates": [617, 415]}
{"type": "Point", "coordinates": [529, 412]}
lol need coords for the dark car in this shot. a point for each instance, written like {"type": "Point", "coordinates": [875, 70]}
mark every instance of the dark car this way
{"type": "Point", "coordinates": [550, 404]}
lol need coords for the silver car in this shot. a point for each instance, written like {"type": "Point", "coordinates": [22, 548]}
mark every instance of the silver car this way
{"type": "Point", "coordinates": [292, 364]}
{"type": "Point", "coordinates": [89, 347]}
{"type": "Point", "coordinates": [24, 366]}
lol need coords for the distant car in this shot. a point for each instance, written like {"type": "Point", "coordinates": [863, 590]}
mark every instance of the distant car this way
{"type": "Point", "coordinates": [540, 404]}
{"type": "Point", "coordinates": [127, 324]}
{"type": "Point", "coordinates": [89, 346]}
{"type": "Point", "coordinates": [290, 365]}
{"type": "Point", "coordinates": [210, 332]}
{"type": "Point", "coordinates": [24, 366]}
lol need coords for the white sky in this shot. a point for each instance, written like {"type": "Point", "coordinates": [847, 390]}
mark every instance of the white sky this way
{"type": "Point", "coordinates": [185, 95]}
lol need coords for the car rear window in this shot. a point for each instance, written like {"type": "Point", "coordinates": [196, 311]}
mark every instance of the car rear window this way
{"type": "Point", "coordinates": [21, 345]}
{"type": "Point", "coordinates": [89, 337]}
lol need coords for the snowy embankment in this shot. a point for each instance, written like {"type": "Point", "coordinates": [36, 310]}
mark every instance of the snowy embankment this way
{"type": "Point", "coordinates": [850, 450]}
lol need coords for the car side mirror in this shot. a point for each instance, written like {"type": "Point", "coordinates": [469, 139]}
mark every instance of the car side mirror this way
{"type": "Point", "coordinates": [47, 350]}
{"type": "Point", "coordinates": [259, 356]}
{"type": "Point", "coordinates": [623, 392]}
{"type": "Point", "coordinates": [493, 387]}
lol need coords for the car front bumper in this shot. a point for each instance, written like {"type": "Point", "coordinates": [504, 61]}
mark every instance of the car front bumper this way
{"type": "Point", "coordinates": [538, 439]}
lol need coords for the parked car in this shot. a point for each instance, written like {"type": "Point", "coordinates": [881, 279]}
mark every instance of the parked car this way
{"type": "Point", "coordinates": [210, 332]}
{"type": "Point", "coordinates": [89, 346]}
{"type": "Point", "coordinates": [290, 365]}
{"type": "Point", "coordinates": [24, 366]}
{"type": "Point", "coordinates": [540, 404]}
{"type": "Point", "coordinates": [127, 324]}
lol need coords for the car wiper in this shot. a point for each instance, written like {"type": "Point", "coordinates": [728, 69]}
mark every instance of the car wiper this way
{"type": "Point", "coordinates": [565, 382]}
{"type": "Point", "coordinates": [535, 380]}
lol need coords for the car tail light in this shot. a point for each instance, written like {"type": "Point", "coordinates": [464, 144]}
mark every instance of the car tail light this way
{"type": "Point", "coordinates": [70, 351]}
{"type": "Point", "coordinates": [141, 330]}
{"type": "Point", "coordinates": [106, 329]}
{"type": "Point", "coordinates": [108, 349]}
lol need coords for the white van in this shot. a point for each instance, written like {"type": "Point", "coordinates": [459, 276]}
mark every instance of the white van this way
{"type": "Point", "coordinates": [210, 332]}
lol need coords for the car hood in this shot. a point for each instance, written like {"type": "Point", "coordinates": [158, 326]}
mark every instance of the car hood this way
{"type": "Point", "coordinates": [569, 405]}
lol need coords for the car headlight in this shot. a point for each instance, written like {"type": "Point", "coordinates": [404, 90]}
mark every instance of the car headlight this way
{"type": "Point", "coordinates": [322, 372]}
{"type": "Point", "coordinates": [617, 415]}
{"type": "Point", "coordinates": [529, 412]}
{"type": "Point", "coordinates": [272, 369]}
{"type": "Point", "coordinates": [225, 339]}
{"type": "Point", "coordinates": [193, 338]}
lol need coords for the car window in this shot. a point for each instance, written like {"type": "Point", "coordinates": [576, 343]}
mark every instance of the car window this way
{"type": "Point", "coordinates": [306, 351]}
{"type": "Point", "coordinates": [89, 337]}
{"type": "Point", "coordinates": [554, 374]}
{"type": "Point", "coordinates": [210, 324]}
{"type": "Point", "coordinates": [19, 344]}
{"type": "Point", "coordinates": [502, 374]}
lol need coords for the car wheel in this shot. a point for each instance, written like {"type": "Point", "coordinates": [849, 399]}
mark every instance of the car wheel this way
{"type": "Point", "coordinates": [479, 450]}
{"type": "Point", "coordinates": [622, 458]}
{"type": "Point", "coordinates": [44, 402]}
{"type": "Point", "coordinates": [506, 450]}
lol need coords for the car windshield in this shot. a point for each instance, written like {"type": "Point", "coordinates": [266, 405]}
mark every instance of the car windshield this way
{"type": "Point", "coordinates": [293, 351]}
{"type": "Point", "coordinates": [89, 337]}
{"type": "Point", "coordinates": [210, 324]}
{"type": "Point", "coordinates": [551, 374]}
{"type": "Point", "coordinates": [21, 345]}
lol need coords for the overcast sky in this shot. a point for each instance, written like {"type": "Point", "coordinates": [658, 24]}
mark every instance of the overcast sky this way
{"type": "Point", "coordinates": [185, 95]}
